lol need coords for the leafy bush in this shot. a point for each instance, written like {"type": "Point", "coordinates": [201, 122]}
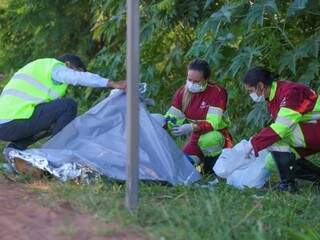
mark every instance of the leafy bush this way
{"type": "Point", "coordinates": [232, 35]}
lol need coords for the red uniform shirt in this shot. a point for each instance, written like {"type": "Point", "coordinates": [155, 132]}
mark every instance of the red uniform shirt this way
{"type": "Point", "coordinates": [213, 96]}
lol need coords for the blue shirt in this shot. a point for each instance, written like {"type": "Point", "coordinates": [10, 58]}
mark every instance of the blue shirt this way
{"type": "Point", "coordinates": [62, 74]}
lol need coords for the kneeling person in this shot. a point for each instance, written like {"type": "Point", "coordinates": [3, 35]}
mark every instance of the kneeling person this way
{"type": "Point", "coordinates": [32, 104]}
{"type": "Point", "coordinates": [295, 132]}
{"type": "Point", "coordinates": [198, 109]}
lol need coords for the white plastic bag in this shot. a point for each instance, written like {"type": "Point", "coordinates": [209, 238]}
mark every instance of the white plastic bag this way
{"type": "Point", "coordinates": [230, 160]}
{"type": "Point", "coordinates": [254, 175]}
{"type": "Point", "coordinates": [242, 172]}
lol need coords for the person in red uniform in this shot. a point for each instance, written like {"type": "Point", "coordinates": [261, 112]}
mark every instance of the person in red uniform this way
{"type": "Point", "coordinates": [198, 109]}
{"type": "Point", "coordinates": [295, 131]}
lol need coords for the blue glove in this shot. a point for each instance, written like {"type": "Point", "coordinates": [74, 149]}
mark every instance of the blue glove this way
{"type": "Point", "coordinates": [182, 130]}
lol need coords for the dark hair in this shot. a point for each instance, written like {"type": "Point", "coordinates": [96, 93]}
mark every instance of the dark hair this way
{"type": "Point", "coordinates": [201, 66]}
{"type": "Point", "coordinates": [74, 61]}
{"type": "Point", "coordinates": [259, 74]}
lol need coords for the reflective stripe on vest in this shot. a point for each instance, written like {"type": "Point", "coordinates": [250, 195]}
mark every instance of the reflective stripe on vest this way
{"type": "Point", "coordinates": [35, 83]}
{"type": "Point", "coordinates": [22, 95]}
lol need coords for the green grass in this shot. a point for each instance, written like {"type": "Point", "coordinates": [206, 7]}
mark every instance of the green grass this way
{"type": "Point", "coordinates": [192, 213]}
{"type": "Point", "coordinates": [221, 212]}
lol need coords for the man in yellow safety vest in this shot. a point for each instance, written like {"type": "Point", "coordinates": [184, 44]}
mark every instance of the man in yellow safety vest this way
{"type": "Point", "coordinates": [33, 103]}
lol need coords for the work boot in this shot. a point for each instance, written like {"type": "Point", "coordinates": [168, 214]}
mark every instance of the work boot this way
{"type": "Point", "coordinates": [14, 145]}
{"type": "Point", "coordinates": [286, 187]}
{"type": "Point", "coordinates": [208, 163]}
{"type": "Point", "coordinates": [286, 165]}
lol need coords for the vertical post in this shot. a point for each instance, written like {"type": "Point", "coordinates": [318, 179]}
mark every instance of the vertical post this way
{"type": "Point", "coordinates": [132, 121]}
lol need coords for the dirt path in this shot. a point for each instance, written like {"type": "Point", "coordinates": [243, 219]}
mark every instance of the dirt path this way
{"type": "Point", "coordinates": [21, 218]}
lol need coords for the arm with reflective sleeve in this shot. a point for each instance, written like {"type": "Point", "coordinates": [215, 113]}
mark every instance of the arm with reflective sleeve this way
{"type": "Point", "coordinates": [214, 120]}
{"type": "Point", "coordinates": [286, 120]}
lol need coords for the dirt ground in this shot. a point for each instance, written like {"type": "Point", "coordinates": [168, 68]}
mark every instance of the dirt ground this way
{"type": "Point", "coordinates": [22, 218]}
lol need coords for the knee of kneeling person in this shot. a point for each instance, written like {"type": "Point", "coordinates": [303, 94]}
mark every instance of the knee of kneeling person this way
{"type": "Point", "coordinates": [214, 138]}
{"type": "Point", "coordinates": [211, 143]}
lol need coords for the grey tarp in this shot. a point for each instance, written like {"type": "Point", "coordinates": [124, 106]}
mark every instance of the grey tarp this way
{"type": "Point", "coordinates": [97, 140]}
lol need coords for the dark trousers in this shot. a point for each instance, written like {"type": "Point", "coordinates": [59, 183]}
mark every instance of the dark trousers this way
{"type": "Point", "coordinates": [47, 119]}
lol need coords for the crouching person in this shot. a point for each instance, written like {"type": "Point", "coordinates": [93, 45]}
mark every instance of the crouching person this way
{"type": "Point", "coordinates": [295, 132]}
{"type": "Point", "coordinates": [33, 103]}
{"type": "Point", "coordinates": [198, 110]}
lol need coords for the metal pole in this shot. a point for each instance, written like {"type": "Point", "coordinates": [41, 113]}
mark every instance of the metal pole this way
{"type": "Point", "coordinates": [132, 121]}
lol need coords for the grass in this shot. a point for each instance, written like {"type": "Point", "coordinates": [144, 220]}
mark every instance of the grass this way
{"type": "Point", "coordinates": [220, 212]}
{"type": "Point", "coordinates": [194, 213]}
{"type": "Point", "coordinates": [67, 230]}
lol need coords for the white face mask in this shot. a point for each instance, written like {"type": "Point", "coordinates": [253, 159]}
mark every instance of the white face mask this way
{"type": "Point", "coordinates": [257, 98]}
{"type": "Point", "coordinates": [195, 87]}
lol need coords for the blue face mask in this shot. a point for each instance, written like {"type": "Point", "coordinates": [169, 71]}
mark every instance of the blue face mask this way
{"type": "Point", "coordinates": [195, 87]}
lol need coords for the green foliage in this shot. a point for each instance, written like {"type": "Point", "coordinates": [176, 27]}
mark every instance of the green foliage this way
{"type": "Point", "coordinates": [259, 10]}
{"type": "Point", "coordinates": [296, 6]}
{"type": "Point", "coordinates": [33, 29]}
{"type": "Point", "coordinates": [232, 35]}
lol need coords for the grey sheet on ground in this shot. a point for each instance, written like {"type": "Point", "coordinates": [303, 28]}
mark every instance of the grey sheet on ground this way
{"type": "Point", "coordinates": [97, 140]}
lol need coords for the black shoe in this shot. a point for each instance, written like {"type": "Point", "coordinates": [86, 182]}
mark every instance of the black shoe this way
{"type": "Point", "coordinates": [13, 145]}
{"type": "Point", "coordinates": [286, 164]}
{"type": "Point", "coordinates": [286, 187]}
{"type": "Point", "coordinates": [208, 163]}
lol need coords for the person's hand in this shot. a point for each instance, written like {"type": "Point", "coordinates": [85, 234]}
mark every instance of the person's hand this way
{"type": "Point", "coordinates": [248, 150]}
{"type": "Point", "coordinates": [117, 84]}
{"type": "Point", "coordinates": [182, 130]}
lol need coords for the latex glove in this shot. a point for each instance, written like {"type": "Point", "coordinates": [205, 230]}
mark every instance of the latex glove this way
{"type": "Point", "coordinates": [248, 150]}
{"type": "Point", "coordinates": [182, 130]}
